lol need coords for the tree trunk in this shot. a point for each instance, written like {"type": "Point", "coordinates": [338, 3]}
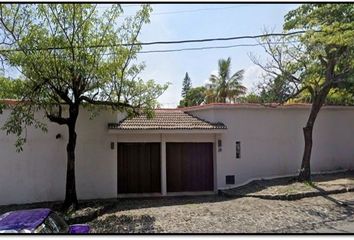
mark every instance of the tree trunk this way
{"type": "Point", "coordinates": [305, 171]}
{"type": "Point", "coordinates": [70, 193]}
{"type": "Point", "coordinates": [318, 101]}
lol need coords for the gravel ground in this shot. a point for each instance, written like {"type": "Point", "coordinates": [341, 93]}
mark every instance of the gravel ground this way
{"type": "Point", "coordinates": [288, 185]}
{"type": "Point", "coordinates": [214, 214]}
{"type": "Point", "coordinates": [211, 214]}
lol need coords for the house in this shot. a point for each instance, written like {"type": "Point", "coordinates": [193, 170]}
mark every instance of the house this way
{"type": "Point", "coordinates": [194, 150]}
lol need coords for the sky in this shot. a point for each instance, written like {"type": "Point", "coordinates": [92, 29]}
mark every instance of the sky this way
{"type": "Point", "coordinates": [169, 22]}
{"type": "Point", "coordinates": [198, 21]}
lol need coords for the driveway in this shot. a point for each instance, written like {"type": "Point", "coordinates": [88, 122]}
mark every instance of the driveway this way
{"type": "Point", "coordinates": [215, 214]}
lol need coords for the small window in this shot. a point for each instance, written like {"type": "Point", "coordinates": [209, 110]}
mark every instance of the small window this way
{"type": "Point", "coordinates": [238, 149]}
{"type": "Point", "coordinates": [230, 179]}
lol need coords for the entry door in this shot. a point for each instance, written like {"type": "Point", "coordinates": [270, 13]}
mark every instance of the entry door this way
{"type": "Point", "coordinates": [139, 168]}
{"type": "Point", "coordinates": [189, 167]}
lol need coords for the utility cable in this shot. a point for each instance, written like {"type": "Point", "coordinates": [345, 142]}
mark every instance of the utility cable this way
{"type": "Point", "coordinates": [161, 42]}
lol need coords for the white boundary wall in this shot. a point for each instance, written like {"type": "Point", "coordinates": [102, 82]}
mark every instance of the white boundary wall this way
{"type": "Point", "coordinates": [272, 140]}
{"type": "Point", "coordinates": [38, 173]}
{"type": "Point", "coordinates": [271, 145]}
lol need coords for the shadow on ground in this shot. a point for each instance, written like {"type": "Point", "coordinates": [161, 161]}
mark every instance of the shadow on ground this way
{"type": "Point", "coordinates": [125, 224]}
{"type": "Point", "coordinates": [90, 210]}
{"type": "Point", "coordinates": [101, 213]}
{"type": "Point", "coordinates": [260, 185]}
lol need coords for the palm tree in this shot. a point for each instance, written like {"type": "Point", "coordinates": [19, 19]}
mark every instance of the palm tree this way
{"type": "Point", "coordinates": [222, 87]}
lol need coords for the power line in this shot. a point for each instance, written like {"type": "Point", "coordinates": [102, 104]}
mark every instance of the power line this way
{"type": "Point", "coordinates": [162, 42]}
{"type": "Point", "coordinates": [223, 39]}
{"type": "Point", "coordinates": [211, 47]}
{"type": "Point", "coordinates": [204, 48]}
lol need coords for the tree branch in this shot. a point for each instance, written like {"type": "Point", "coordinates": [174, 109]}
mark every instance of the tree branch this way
{"type": "Point", "coordinates": [57, 119]}
{"type": "Point", "coordinates": [107, 103]}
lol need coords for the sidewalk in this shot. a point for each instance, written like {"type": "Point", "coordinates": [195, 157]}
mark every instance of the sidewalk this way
{"type": "Point", "coordinates": [289, 189]}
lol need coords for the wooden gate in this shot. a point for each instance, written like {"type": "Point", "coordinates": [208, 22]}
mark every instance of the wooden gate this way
{"type": "Point", "coordinates": [189, 167]}
{"type": "Point", "coordinates": [139, 168]}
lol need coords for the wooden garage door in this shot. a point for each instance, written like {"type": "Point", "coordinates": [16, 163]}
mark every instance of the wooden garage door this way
{"type": "Point", "coordinates": [139, 168]}
{"type": "Point", "coordinates": [189, 167]}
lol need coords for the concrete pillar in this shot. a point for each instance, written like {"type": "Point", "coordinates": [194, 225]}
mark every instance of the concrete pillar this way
{"type": "Point", "coordinates": [215, 161]}
{"type": "Point", "coordinates": [163, 167]}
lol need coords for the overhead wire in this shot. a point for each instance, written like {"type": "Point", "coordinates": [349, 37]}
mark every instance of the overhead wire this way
{"type": "Point", "coordinates": [211, 47]}
{"type": "Point", "coordinates": [159, 42]}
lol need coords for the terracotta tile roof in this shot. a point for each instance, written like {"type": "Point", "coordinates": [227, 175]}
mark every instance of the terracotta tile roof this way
{"type": "Point", "coordinates": [165, 119]}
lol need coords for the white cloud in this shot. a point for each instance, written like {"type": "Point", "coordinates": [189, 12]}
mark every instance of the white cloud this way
{"type": "Point", "coordinates": [214, 72]}
{"type": "Point", "coordinates": [252, 76]}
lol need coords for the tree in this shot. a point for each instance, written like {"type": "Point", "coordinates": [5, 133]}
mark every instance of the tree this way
{"type": "Point", "coordinates": [275, 90]}
{"type": "Point", "coordinates": [251, 98]}
{"type": "Point", "coordinates": [71, 56]}
{"type": "Point", "coordinates": [316, 62]}
{"type": "Point", "coordinates": [195, 96]}
{"type": "Point", "coordinates": [9, 89]}
{"type": "Point", "coordinates": [336, 96]}
{"type": "Point", "coordinates": [187, 85]}
{"type": "Point", "coordinates": [223, 87]}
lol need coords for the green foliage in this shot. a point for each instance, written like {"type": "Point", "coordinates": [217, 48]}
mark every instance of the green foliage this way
{"type": "Point", "coordinates": [222, 87]}
{"type": "Point", "coordinates": [195, 96]}
{"type": "Point", "coordinates": [321, 60]}
{"type": "Point", "coordinates": [309, 183]}
{"type": "Point", "coordinates": [313, 65]}
{"type": "Point", "coordinates": [251, 98]}
{"type": "Point", "coordinates": [11, 88]}
{"type": "Point", "coordinates": [187, 85]}
{"type": "Point", "coordinates": [72, 54]}
{"type": "Point", "coordinates": [225, 87]}
{"type": "Point", "coordinates": [275, 90]}
{"type": "Point", "coordinates": [335, 22]}
{"type": "Point", "coordinates": [335, 96]}
{"type": "Point", "coordinates": [20, 119]}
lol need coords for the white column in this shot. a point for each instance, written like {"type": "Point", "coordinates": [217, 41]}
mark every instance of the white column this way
{"type": "Point", "coordinates": [215, 161]}
{"type": "Point", "coordinates": [163, 166]}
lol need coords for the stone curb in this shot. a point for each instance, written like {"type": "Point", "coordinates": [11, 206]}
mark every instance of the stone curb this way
{"type": "Point", "coordinates": [287, 197]}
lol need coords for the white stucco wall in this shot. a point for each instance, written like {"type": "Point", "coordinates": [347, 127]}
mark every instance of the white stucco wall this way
{"type": "Point", "coordinates": [272, 141]}
{"type": "Point", "coordinates": [271, 145]}
{"type": "Point", "coordinates": [38, 173]}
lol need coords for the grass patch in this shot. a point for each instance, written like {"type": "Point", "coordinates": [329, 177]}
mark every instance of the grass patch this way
{"type": "Point", "coordinates": [309, 184]}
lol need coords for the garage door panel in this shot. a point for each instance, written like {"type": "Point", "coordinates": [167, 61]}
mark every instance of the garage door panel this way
{"type": "Point", "coordinates": [174, 180]}
{"type": "Point", "coordinates": [189, 167]}
{"type": "Point", "coordinates": [154, 166]}
{"type": "Point", "coordinates": [139, 168]}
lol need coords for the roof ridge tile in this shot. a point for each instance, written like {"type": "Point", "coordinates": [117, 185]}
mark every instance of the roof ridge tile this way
{"type": "Point", "coordinates": [170, 119]}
